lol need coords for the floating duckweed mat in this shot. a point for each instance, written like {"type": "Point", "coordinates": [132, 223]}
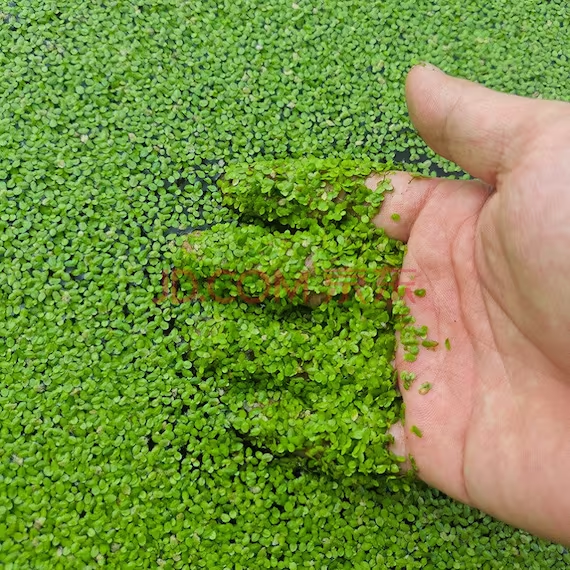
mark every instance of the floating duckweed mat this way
{"type": "Point", "coordinates": [119, 124]}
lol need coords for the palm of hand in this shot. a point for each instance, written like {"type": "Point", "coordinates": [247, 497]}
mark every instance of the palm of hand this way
{"type": "Point", "coordinates": [496, 269]}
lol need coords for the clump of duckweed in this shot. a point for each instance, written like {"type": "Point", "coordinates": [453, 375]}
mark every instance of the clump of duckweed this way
{"type": "Point", "coordinates": [128, 436]}
{"type": "Point", "coordinates": [300, 329]}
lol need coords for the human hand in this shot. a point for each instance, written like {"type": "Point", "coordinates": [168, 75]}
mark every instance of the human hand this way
{"type": "Point", "coordinates": [493, 257]}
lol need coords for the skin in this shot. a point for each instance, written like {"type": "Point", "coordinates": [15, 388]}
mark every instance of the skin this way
{"type": "Point", "coordinates": [493, 255]}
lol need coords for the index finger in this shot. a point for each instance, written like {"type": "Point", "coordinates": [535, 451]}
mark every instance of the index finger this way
{"type": "Point", "coordinates": [301, 192]}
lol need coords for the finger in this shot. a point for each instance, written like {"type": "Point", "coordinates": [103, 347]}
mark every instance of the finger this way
{"type": "Point", "coordinates": [254, 264]}
{"type": "Point", "coordinates": [398, 447]}
{"type": "Point", "coordinates": [402, 206]}
{"type": "Point", "coordinates": [299, 192]}
{"type": "Point", "coordinates": [483, 131]}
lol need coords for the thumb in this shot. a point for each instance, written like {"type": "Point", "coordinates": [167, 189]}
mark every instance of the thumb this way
{"type": "Point", "coordinates": [483, 131]}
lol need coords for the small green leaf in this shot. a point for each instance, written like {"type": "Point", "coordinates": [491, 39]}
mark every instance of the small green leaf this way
{"type": "Point", "coordinates": [416, 431]}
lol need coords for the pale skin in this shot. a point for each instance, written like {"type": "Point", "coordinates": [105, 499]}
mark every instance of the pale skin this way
{"type": "Point", "coordinates": [493, 255]}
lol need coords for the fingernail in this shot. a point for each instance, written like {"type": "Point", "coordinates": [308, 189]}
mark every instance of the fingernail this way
{"type": "Point", "coordinates": [398, 447]}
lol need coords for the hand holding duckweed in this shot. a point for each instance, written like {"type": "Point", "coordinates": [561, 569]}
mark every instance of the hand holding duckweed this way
{"type": "Point", "coordinates": [297, 314]}
{"type": "Point", "coordinates": [492, 255]}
